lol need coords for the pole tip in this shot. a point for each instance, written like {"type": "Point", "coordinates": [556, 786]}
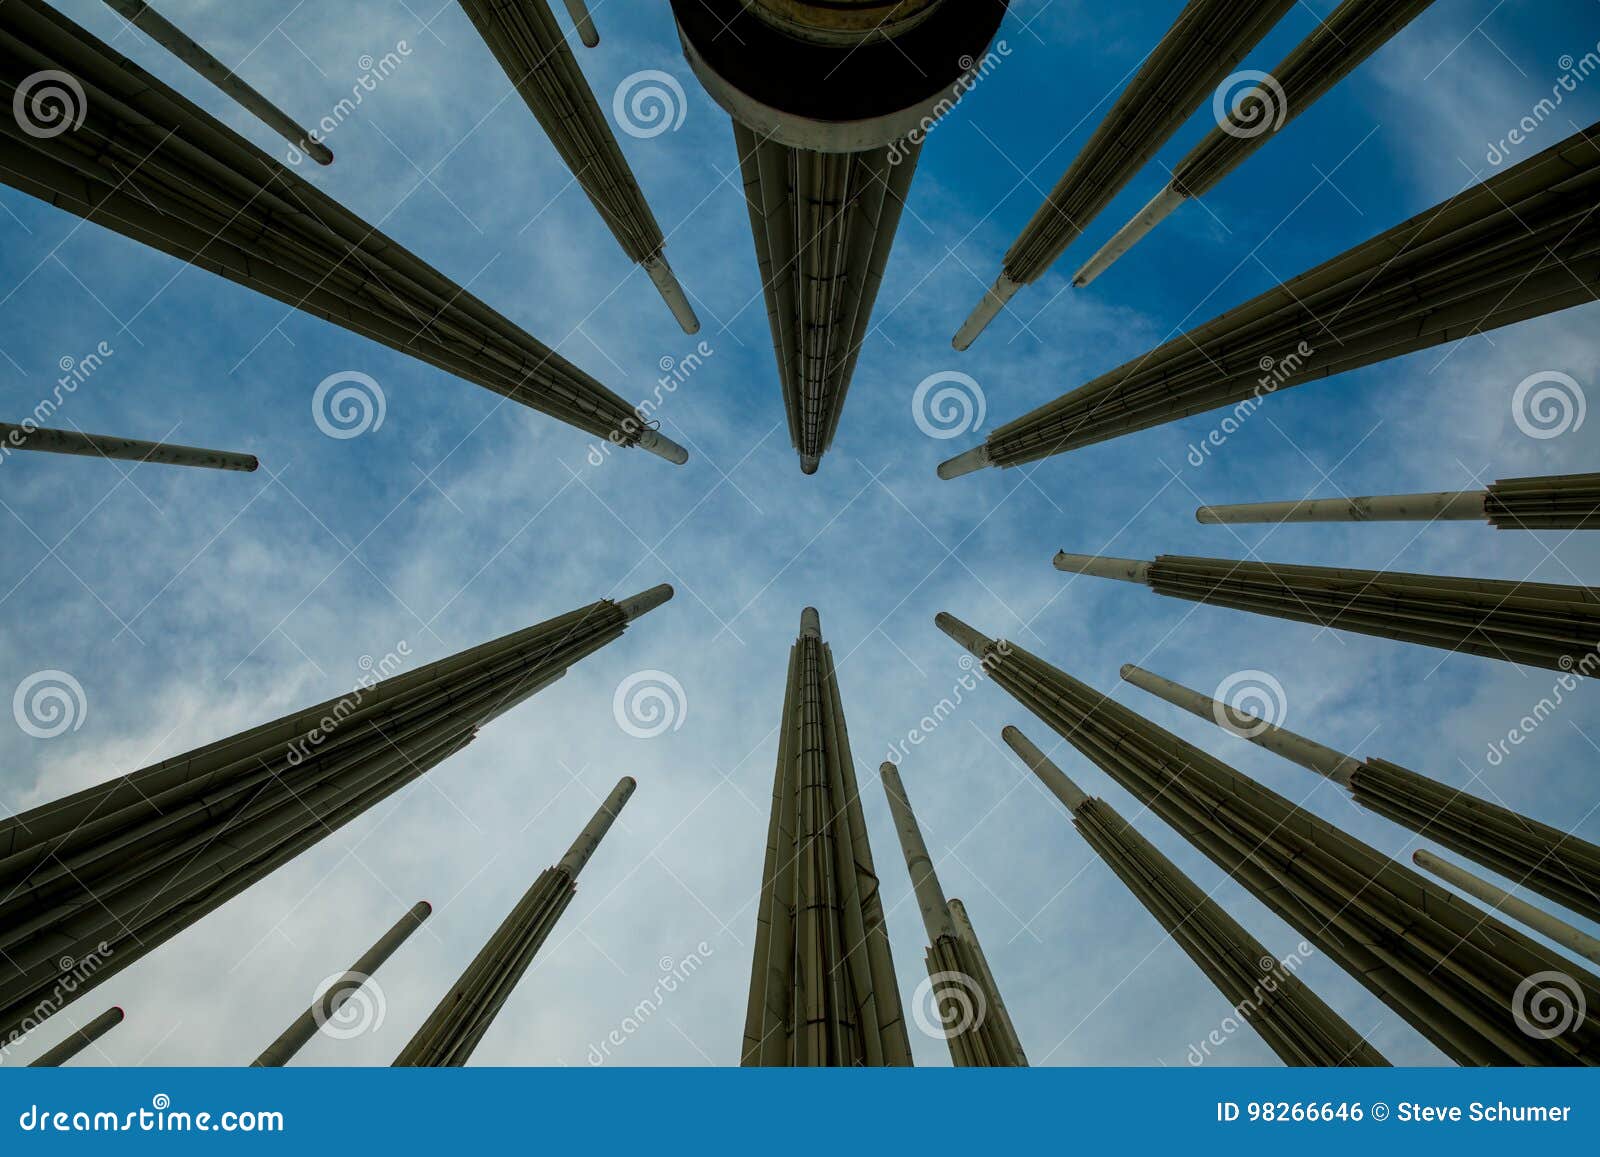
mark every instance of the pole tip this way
{"type": "Point", "coordinates": [810, 623]}
{"type": "Point", "coordinates": [1127, 670]}
{"type": "Point", "coordinates": [646, 601]}
{"type": "Point", "coordinates": [628, 782]}
{"type": "Point", "coordinates": [809, 463]}
{"type": "Point", "coordinates": [663, 447]}
{"type": "Point", "coordinates": [967, 462]}
{"type": "Point", "coordinates": [117, 1008]}
{"type": "Point", "coordinates": [1206, 516]}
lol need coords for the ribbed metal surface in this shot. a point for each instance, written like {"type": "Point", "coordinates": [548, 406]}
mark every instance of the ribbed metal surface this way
{"type": "Point", "coordinates": [1555, 502]}
{"type": "Point", "coordinates": [1556, 864]}
{"type": "Point", "coordinates": [1446, 967]}
{"type": "Point", "coordinates": [1336, 47]}
{"type": "Point", "coordinates": [455, 1027]}
{"type": "Point", "coordinates": [1543, 624]}
{"type": "Point", "coordinates": [1521, 245]}
{"type": "Point", "coordinates": [155, 167]}
{"type": "Point", "coordinates": [1295, 1023]}
{"type": "Point", "coordinates": [822, 983]}
{"type": "Point", "coordinates": [1203, 45]}
{"type": "Point", "coordinates": [823, 224]}
{"type": "Point", "coordinates": [131, 862]}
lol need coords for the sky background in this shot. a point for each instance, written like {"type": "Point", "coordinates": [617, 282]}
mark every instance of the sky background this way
{"type": "Point", "coordinates": [192, 604]}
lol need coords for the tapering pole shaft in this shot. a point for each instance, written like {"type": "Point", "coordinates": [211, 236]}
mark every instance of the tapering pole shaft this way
{"type": "Point", "coordinates": [666, 283]}
{"type": "Point", "coordinates": [965, 931]}
{"type": "Point", "coordinates": [1158, 210]}
{"type": "Point", "coordinates": [1445, 506]}
{"type": "Point", "coordinates": [80, 1039]}
{"type": "Point", "coordinates": [594, 831]}
{"type": "Point", "coordinates": [305, 1026]}
{"type": "Point", "coordinates": [924, 878]}
{"type": "Point", "coordinates": [988, 308]}
{"type": "Point", "coordinates": [1308, 753]}
{"type": "Point", "coordinates": [14, 437]}
{"type": "Point", "coordinates": [1504, 902]}
{"type": "Point", "coordinates": [1128, 570]}
{"type": "Point", "coordinates": [1069, 793]}
{"type": "Point", "coordinates": [579, 11]}
{"type": "Point", "coordinates": [172, 38]}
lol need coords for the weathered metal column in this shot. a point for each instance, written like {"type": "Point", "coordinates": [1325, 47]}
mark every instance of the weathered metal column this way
{"type": "Point", "coordinates": [30, 437]}
{"type": "Point", "coordinates": [1541, 624]}
{"type": "Point", "coordinates": [79, 1040]}
{"type": "Point", "coordinates": [135, 156]}
{"type": "Point", "coordinates": [1553, 502]}
{"type": "Point", "coordinates": [972, 1016]}
{"type": "Point", "coordinates": [822, 983]}
{"type": "Point", "coordinates": [1264, 991]}
{"type": "Point", "coordinates": [106, 874]}
{"type": "Point", "coordinates": [1504, 902]}
{"type": "Point", "coordinates": [453, 1030]}
{"type": "Point", "coordinates": [305, 1026]}
{"type": "Point", "coordinates": [1555, 863]}
{"type": "Point", "coordinates": [527, 41]}
{"type": "Point", "coordinates": [1446, 967]}
{"type": "Point", "coordinates": [1203, 45]}
{"type": "Point", "coordinates": [830, 104]}
{"type": "Point", "coordinates": [1523, 244]}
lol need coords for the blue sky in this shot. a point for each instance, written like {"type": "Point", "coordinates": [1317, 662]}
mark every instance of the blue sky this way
{"type": "Point", "coordinates": [190, 604]}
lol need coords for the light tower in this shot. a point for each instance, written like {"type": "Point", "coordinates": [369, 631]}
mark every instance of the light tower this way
{"type": "Point", "coordinates": [1291, 1019]}
{"type": "Point", "coordinates": [103, 876]}
{"type": "Point", "coordinates": [133, 155]}
{"type": "Point", "coordinates": [453, 1030]}
{"type": "Point", "coordinates": [1541, 624]}
{"type": "Point", "coordinates": [1556, 864]}
{"type": "Point", "coordinates": [1450, 970]}
{"type": "Point", "coordinates": [822, 984]}
{"type": "Point", "coordinates": [830, 101]}
{"type": "Point", "coordinates": [979, 1028]}
{"type": "Point", "coordinates": [1552, 502]}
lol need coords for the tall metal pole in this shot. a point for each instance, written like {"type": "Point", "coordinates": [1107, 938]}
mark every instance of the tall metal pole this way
{"type": "Point", "coordinates": [79, 1040]}
{"type": "Point", "coordinates": [1550, 502]}
{"type": "Point", "coordinates": [454, 1028]}
{"type": "Point", "coordinates": [305, 1026]}
{"type": "Point", "coordinates": [30, 437]}
{"type": "Point", "coordinates": [1502, 901]}
{"type": "Point", "coordinates": [579, 11]}
{"type": "Point", "coordinates": [172, 38]}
